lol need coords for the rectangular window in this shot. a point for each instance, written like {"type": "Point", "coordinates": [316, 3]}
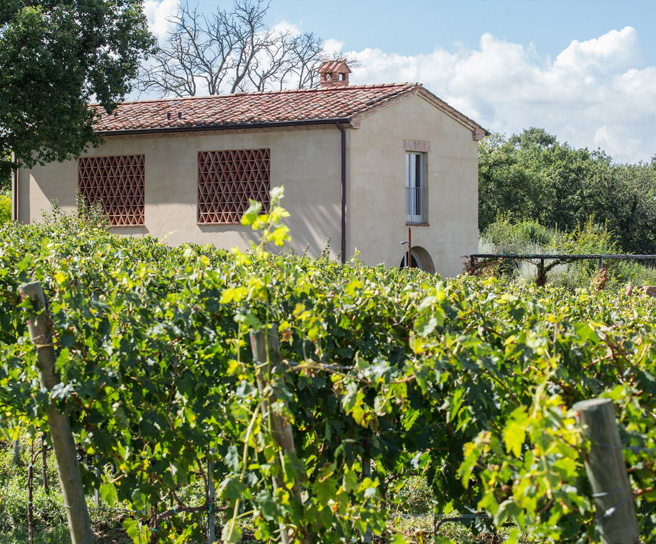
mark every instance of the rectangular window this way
{"type": "Point", "coordinates": [416, 202]}
{"type": "Point", "coordinates": [227, 180]}
{"type": "Point", "coordinates": [116, 182]}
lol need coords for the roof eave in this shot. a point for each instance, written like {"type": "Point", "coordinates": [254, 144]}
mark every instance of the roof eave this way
{"type": "Point", "coordinates": [409, 89]}
{"type": "Point", "coordinates": [233, 126]}
{"type": "Point", "coordinates": [478, 132]}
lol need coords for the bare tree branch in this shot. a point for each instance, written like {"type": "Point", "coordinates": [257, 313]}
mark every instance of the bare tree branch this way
{"type": "Point", "coordinates": [230, 52]}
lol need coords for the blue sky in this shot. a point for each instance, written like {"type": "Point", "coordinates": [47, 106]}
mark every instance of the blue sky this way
{"type": "Point", "coordinates": [419, 26]}
{"type": "Point", "coordinates": [584, 70]}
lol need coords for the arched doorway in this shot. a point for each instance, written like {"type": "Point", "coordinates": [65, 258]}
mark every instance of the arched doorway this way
{"type": "Point", "coordinates": [420, 258]}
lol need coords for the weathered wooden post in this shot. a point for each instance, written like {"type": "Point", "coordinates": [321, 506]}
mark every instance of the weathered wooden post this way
{"type": "Point", "coordinates": [366, 473]}
{"type": "Point", "coordinates": [16, 452]}
{"type": "Point", "coordinates": [266, 355]}
{"type": "Point", "coordinates": [211, 496]}
{"type": "Point", "coordinates": [30, 496]}
{"type": "Point", "coordinates": [604, 465]}
{"type": "Point", "coordinates": [40, 328]}
{"type": "Point", "coordinates": [96, 492]}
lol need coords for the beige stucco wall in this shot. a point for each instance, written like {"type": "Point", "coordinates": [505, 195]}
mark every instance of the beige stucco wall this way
{"type": "Point", "coordinates": [306, 161]}
{"type": "Point", "coordinates": [377, 220]}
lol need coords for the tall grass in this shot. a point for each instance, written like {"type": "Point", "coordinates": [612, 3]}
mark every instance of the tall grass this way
{"type": "Point", "coordinates": [529, 237]}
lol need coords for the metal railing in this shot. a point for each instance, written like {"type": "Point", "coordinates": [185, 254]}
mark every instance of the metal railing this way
{"type": "Point", "coordinates": [474, 257]}
{"type": "Point", "coordinates": [416, 205]}
{"type": "Point", "coordinates": [539, 261]}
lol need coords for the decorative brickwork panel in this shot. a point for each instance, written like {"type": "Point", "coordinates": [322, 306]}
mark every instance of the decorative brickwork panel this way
{"type": "Point", "coordinates": [227, 180]}
{"type": "Point", "coordinates": [118, 182]}
{"type": "Point", "coordinates": [416, 145]}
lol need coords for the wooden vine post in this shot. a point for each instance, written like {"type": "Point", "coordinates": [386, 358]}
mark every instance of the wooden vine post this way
{"type": "Point", "coordinates": [211, 497]}
{"type": "Point", "coordinates": [606, 470]}
{"type": "Point", "coordinates": [366, 473]}
{"type": "Point", "coordinates": [266, 356]}
{"type": "Point", "coordinates": [41, 333]}
{"type": "Point", "coordinates": [17, 452]}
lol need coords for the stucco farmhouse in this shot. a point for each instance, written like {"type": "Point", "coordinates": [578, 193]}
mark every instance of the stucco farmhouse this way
{"type": "Point", "coordinates": [360, 164]}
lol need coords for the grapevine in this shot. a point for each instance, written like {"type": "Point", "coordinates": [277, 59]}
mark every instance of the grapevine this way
{"type": "Point", "coordinates": [384, 375]}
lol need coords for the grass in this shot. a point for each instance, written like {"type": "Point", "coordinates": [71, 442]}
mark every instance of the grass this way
{"type": "Point", "coordinates": [49, 524]}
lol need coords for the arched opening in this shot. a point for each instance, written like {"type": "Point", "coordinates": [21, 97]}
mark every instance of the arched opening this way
{"type": "Point", "coordinates": [413, 260]}
{"type": "Point", "coordinates": [420, 258]}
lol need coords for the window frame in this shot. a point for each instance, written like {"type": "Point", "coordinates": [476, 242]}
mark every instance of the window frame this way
{"type": "Point", "coordinates": [416, 186]}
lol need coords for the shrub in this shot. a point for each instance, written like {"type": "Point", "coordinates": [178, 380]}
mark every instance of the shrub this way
{"type": "Point", "coordinates": [529, 237]}
{"type": "Point", "coordinates": [5, 208]}
{"type": "Point", "coordinates": [86, 218]}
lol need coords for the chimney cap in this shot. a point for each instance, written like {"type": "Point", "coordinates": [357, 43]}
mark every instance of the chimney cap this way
{"type": "Point", "coordinates": [333, 74]}
{"type": "Point", "coordinates": [334, 66]}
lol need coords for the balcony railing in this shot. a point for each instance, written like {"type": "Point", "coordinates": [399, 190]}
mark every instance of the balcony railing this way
{"type": "Point", "coordinates": [416, 205]}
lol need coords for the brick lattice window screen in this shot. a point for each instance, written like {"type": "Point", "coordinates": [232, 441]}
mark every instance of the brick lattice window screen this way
{"type": "Point", "coordinates": [118, 182]}
{"type": "Point", "coordinates": [227, 179]}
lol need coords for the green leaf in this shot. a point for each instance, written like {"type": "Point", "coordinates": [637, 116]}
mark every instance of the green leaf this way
{"type": "Point", "coordinates": [267, 505]}
{"type": "Point", "coordinates": [232, 488]}
{"type": "Point", "coordinates": [514, 433]}
{"type": "Point", "coordinates": [231, 532]}
{"type": "Point", "coordinates": [586, 332]}
{"type": "Point", "coordinates": [108, 494]}
{"type": "Point", "coordinates": [513, 536]}
{"type": "Point", "coordinates": [251, 214]}
{"type": "Point", "coordinates": [425, 324]}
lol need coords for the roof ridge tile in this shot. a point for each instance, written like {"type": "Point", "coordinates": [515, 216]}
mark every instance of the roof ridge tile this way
{"type": "Point", "coordinates": [284, 107]}
{"type": "Point", "coordinates": [261, 93]}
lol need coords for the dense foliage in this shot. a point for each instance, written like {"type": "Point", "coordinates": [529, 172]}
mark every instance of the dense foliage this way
{"type": "Point", "coordinates": [466, 381]}
{"type": "Point", "coordinates": [55, 57]}
{"type": "Point", "coordinates": [533, 176]}
{"type": "Point", "coordinates": [5, 173]}
{"type": "Point", "coordinates": [5, 208]}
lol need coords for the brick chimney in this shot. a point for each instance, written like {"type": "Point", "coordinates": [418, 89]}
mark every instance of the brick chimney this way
{"type": "Point", "coordinates": [334, 73]}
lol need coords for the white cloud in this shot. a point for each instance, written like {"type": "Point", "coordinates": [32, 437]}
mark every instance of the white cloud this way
{"type": "Point", "coordinates": [332, 47]}
{"type": "Point", "coordinates": [283, 27]}
{"type": "Point", "coordinates": [616, 50]}
{"type": "Point", "coordinates": [596, 93]}
{"type": "Point", "coordinates": [158, 13]}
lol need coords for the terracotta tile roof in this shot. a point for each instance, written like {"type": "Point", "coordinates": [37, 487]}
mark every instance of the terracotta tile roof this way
{"type": "Point", "coordinates": [243, 109]}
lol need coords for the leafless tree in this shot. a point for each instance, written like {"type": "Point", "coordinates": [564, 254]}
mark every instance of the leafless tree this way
{"type": "Point", "coordinates": [230, 52]}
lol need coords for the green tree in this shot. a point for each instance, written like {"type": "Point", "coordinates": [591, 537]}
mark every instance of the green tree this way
{"type": "Point", "coordinates": [631, 206]}
{"type": "Point", "coordinates": [503, 182]}
{"type": "Point", "coordinates": [56, 57]}
{"type": "Point", "coordinates": [5, 175]}
{"type": "Point", "coordinates": [532, 176]}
